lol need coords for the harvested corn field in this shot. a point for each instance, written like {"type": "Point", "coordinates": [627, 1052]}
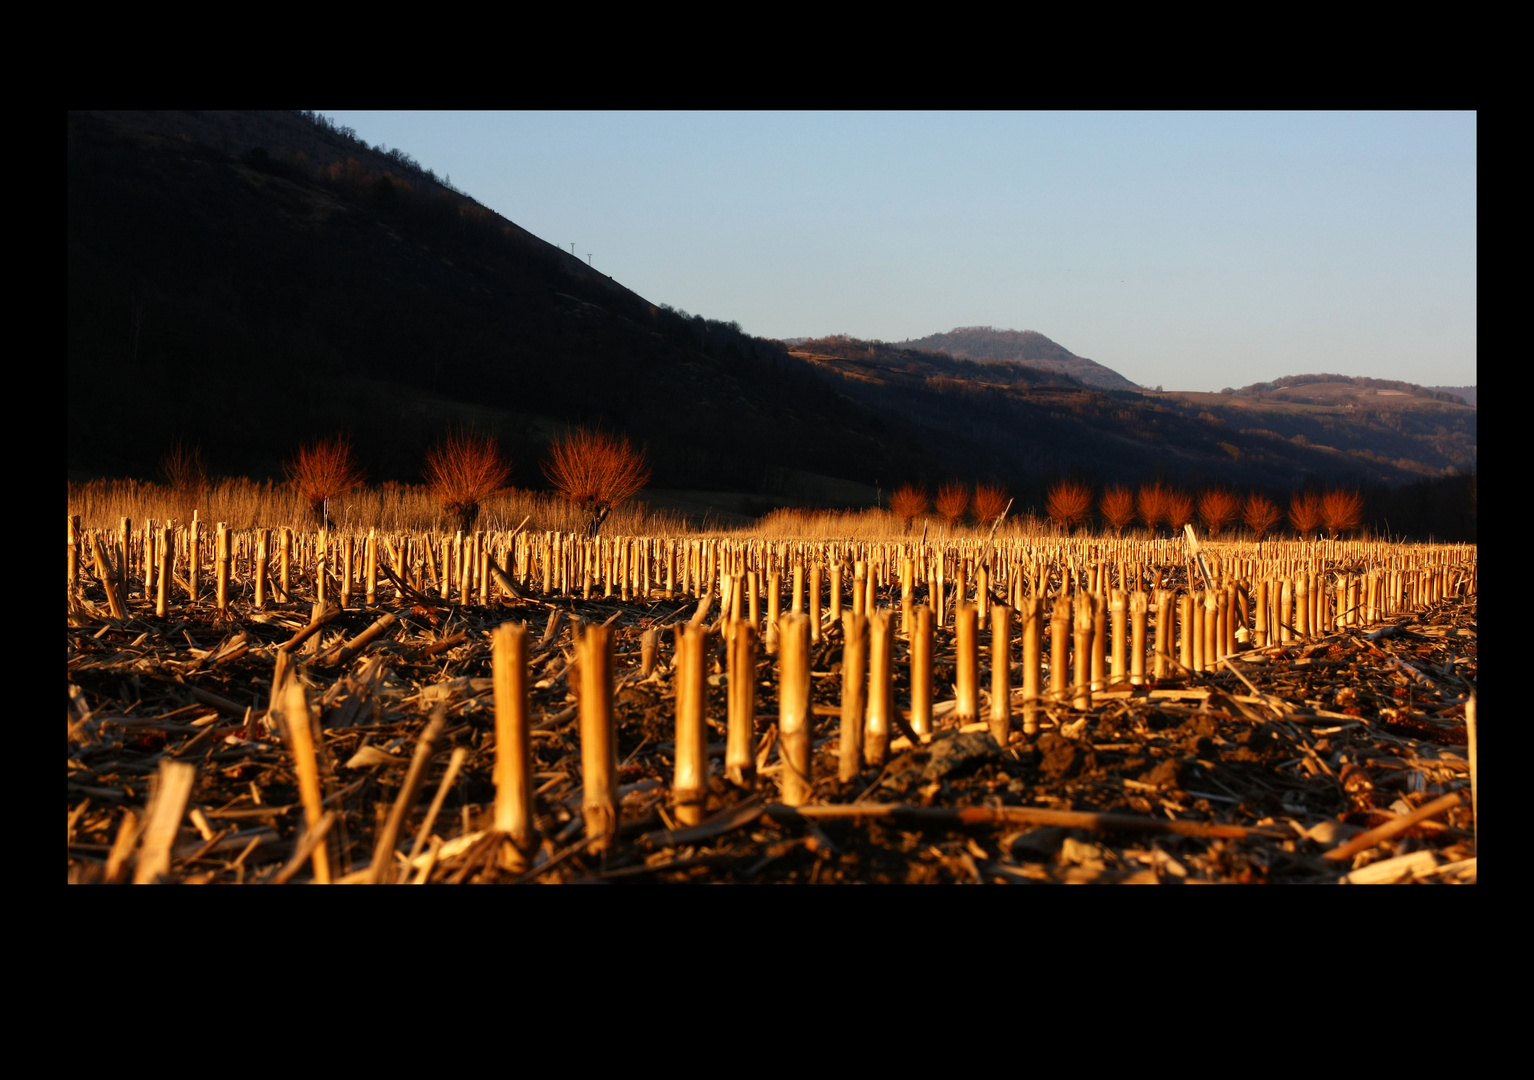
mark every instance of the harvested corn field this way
{"type": "Point", "coordinates": [273, 706]}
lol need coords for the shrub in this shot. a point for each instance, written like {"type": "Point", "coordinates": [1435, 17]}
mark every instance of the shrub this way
{"type": "Point", "coordinates": [989, 503]}
{"type": "Point", "coordinates": [1069, 503]}
{"type": "Point", "coordinates": [1305, 513]}
{"type": "Point", "coordinates": [596, 471]}
{"type": "Point", "coordinates": [1179, 509]}
{"type": "Point", "coordinates": [952, 501]}
{"type": "Point", "coordinates": [1342, 511]}
{"type": "Point", "coordinates": [1118, 508]}
{"type": "Point", "coordinates": [1217, 508]}
{"type": "Point", "coordinates": [323, 470]}
{"type": "Point", "coordinates": [1152, 505]}
{"type": "Point", "coordinates": [908, 502]}
{"type": "Point", "coordinates": [1260, 514]}
{"type": "Point", "coordinates": [182, 467]}
{"type": "Point", "coordinates": [462, 471]}
{"type": "Point", "coordinates": [185, 475]}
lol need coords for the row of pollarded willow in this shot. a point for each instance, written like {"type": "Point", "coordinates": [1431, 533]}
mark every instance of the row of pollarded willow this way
{"type": "Point", "coordinates": [955, 503]}
{"type": "Point", "coordinates": [400, 508]}
{"type": "Point", "coordinates": [591, 470]}
{"type": "Point", "coordinates": [1339, 510]}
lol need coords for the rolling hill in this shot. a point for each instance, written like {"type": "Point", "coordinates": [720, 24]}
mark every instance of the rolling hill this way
{"type": "Point", "coordinates": [1025, 347]}
{"type": "Point", "coordinates": [1419, 429]}
{"type": "Point", "coordinates": [249, 280]}
{"type": "Point", "coordinates": [1464, 393]}
{"type": "Point", "coordinates": [1021, 420]}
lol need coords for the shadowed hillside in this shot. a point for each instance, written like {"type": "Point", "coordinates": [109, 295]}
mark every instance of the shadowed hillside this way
{"type": "Point", "coordinates": [303, 285]}
{"type": "Point", "coordinates": [247, 281]}
{"type": "Point", "coordinates": [1021, 421]}
{"type": "Point", "coordinates": [1418, 429]}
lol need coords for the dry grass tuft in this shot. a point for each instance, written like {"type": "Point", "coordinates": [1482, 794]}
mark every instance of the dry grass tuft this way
{"type": "Point", "coordinates": [870, 524]}
{"type": "Point", "coordinates": [802, 523]}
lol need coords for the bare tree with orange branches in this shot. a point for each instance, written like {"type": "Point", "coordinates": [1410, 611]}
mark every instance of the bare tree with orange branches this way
{"type": "Point", "coordinates": [462, 471]}
{"type": "Point", "coordinates": [990, 503]}
{"type": "Point", "coordinates": [1151, 503]}
{"type": "Point", "coordinates": [1260, 514]}
{"type": "Point", "coordinates": [1217, 508]}
{"type": "Point", "coordinates": [1342, 511]}
{"type": "Point", "coordinates": [908, 503]}
{"type": "Point", "coordinates": [1118, 508]}
{"type": "Point", "coordinates": [952, 501]}
{"type": "Point", "coordinates": [1305, 513]}
{"type": "Point", "coordinates": [1179, 509]}
{"type": "Point", "coordinates": [596, 471]}
{"type": "Point", "coordinates": [1069, 503]}
{"type": "Point", "coordinates": [323, 470]}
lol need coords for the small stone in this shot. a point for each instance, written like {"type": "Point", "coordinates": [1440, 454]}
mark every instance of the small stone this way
{"type": "Point", "coordinates": [1059, 757]}
{"type": "Point", "coordinates": [1035, 844]}
{"type": "Point", "coordinates": [636, 696]}
{"type": "Point", "coordinates": [1075, 852]}
{"type": "Point", "coordinates": [1167, 774]}
{"type": "Point", "coordinates": [956, 752]}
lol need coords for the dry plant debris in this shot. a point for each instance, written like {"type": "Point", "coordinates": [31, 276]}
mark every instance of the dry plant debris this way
{"type": "Point", "coordinates": [1336, 757]}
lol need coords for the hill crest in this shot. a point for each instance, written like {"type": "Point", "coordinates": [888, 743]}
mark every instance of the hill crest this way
{"type": "Point", "coordinates": [1028, 348]}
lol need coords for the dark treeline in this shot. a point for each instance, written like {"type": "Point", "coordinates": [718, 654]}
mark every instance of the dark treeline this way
{"type": "Point", "coordinates": [1439, 509]}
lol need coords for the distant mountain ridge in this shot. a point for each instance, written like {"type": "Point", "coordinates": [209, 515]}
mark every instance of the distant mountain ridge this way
{"type": "Point", "coordinates": [1026, 347]}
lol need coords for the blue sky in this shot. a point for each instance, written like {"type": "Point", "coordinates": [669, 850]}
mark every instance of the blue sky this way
{"type": "Point", "coordinates": [1190, 250]}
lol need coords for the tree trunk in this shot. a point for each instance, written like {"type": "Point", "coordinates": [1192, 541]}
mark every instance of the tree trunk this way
{"type": "Point", "coordinates": [597, 519]}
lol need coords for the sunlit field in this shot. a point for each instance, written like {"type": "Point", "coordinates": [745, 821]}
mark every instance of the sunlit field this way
{"type": "Point", "coordinates": [818, 697]}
